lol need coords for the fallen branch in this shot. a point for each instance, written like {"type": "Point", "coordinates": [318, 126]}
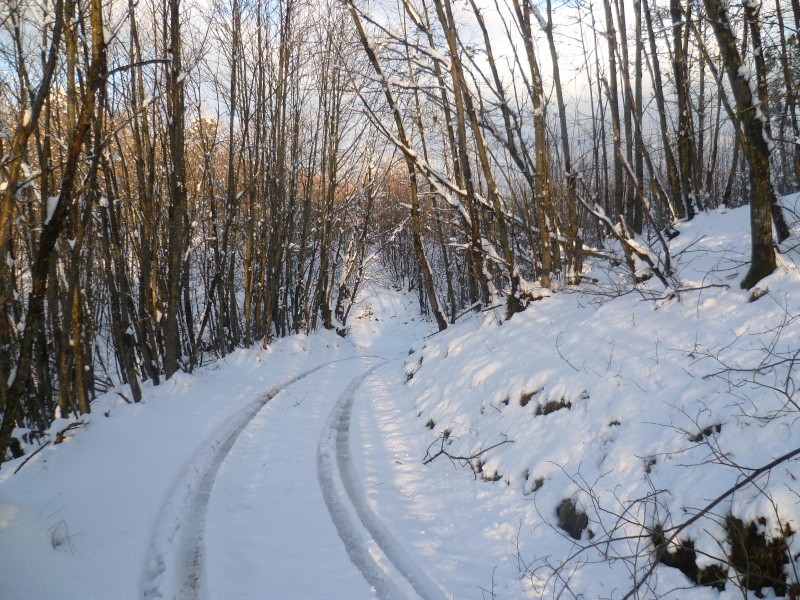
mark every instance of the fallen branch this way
{"type": "Point", "coordinates": [463, 460]}
{"type": "Point", "coordinates": [30, 456]}
{"type": "Point", "coordinates": [62, 434]}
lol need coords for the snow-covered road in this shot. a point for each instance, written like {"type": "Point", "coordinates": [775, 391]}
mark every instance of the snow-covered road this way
{"type": "Point", "coordinates": [177, 563]}
{"type": "Point", "coordinates": [270, 505]}
{"type": "Point", "coordinates": [218, 485]}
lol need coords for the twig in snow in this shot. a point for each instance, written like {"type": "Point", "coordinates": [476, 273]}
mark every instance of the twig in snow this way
{"type": "Point", "coordinates": [30, 456]}
{"type": "Point", "coordinates": [464, 460]}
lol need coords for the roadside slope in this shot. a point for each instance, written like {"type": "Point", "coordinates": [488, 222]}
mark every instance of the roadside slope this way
{"type": "Point", "coordinates": [611, 414]}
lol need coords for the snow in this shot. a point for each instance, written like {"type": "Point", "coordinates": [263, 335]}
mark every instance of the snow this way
{"type": "Point", "coordinates": [299, 471]}
{"type": "Point", "coordinates": [52, 204]}
{"type": "Point", "coordinates": [538, 14]}
{"type": "Point", "coordinates": [413, 14]}
{"type": "Point", "coordinates": [11, 377]}
{"type": "Point", "coordinates": [745, 72]}
{"type": "Point", "coordinates": [105, 488]}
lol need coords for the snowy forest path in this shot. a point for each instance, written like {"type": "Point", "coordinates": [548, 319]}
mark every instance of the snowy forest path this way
{"type": "Point", "coordinates": [174, 567]}
{"type": "Point", "coordinates": [263, 509]}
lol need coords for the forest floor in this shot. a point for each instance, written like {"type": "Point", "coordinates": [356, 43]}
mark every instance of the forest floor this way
{"type": "Point", "coordinates": [400, 463]}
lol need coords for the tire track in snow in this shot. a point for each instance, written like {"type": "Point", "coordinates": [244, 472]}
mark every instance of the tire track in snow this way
{"type": "Point", "coordinates": [355, 521]}
{"type": "Point", "coordinates": [174, 566]}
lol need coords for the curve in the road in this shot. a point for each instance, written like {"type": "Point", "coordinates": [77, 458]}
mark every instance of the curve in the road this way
{"type": "Point", "coordinates": [174, 565]}
{"type": "Point", "coordinates": [355, 521]}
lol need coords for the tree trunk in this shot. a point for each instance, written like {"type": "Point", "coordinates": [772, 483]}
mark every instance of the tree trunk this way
{"type": "Point", "coordinates": [177, 191]}
{"type": "Point", "coordinates": [752, 136]}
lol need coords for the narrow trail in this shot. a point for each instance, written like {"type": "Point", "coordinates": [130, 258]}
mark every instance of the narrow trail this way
{"type": "Point", "coordinates": [175, 565]}
{"type": "Point", "coordinates": [272, 506]}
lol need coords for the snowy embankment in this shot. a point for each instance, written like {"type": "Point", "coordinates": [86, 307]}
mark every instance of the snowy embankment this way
{"type": "Point", "coordinates": [538, 457]}
{"type": "Point", "coordinates": [612, 416]}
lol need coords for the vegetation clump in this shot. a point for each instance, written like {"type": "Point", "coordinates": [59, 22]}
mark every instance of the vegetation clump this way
{"type": "Point", "coordinates": [526, 397]}
{"type": "Point", "coordinates": [410, 372]}
{"type": "Point", "coordinates": [535, 486]}
{"type": "Point", "coordinates": [552, 406]}
{"type": "Point", "coordinates": [16, 448]}
{"type": "Point", "coordinates": [496, 476]}
{"type": "Point", "coordinates": [684, 558]}
{"type": "Point", "coordinates": [571, 519]}
{"type": "Point", "coordinates": [706, 432]}
{"type": "Point", "coordinates": [758, 560]}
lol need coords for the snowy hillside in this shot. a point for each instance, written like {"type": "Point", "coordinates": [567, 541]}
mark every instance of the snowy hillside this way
{"type": "Point", "coordinates": [615, 415]}
{"type": "Point", "coordinates": [544, 456]}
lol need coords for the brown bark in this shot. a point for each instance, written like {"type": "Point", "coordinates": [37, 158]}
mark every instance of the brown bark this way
{"type": "Point", "coordinates": [687, 150]}
{"type": "Point", "coordinates": [658, 87]}
{"type": "Point", "coordinates": [613, 100]}
{"type": "Point", "coordinates": [177, 191]}
{"type": "Point", "coordinates": [542, 190]}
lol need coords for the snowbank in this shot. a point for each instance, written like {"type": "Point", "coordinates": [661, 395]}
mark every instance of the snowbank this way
{"type": "Point", "coordinates": [637, 409]}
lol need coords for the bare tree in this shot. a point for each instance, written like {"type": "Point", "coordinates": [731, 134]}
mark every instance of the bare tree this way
{"type": "Point", "coordinates": [753, 138]}
{"type": "Point", "coordinates": [55, 216]}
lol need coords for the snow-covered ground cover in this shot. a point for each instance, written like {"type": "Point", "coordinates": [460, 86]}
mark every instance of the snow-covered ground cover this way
{"type": "Point", "coordinates": [615, 415]}
{"type": "Point", "coordinates": [439, 465]}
